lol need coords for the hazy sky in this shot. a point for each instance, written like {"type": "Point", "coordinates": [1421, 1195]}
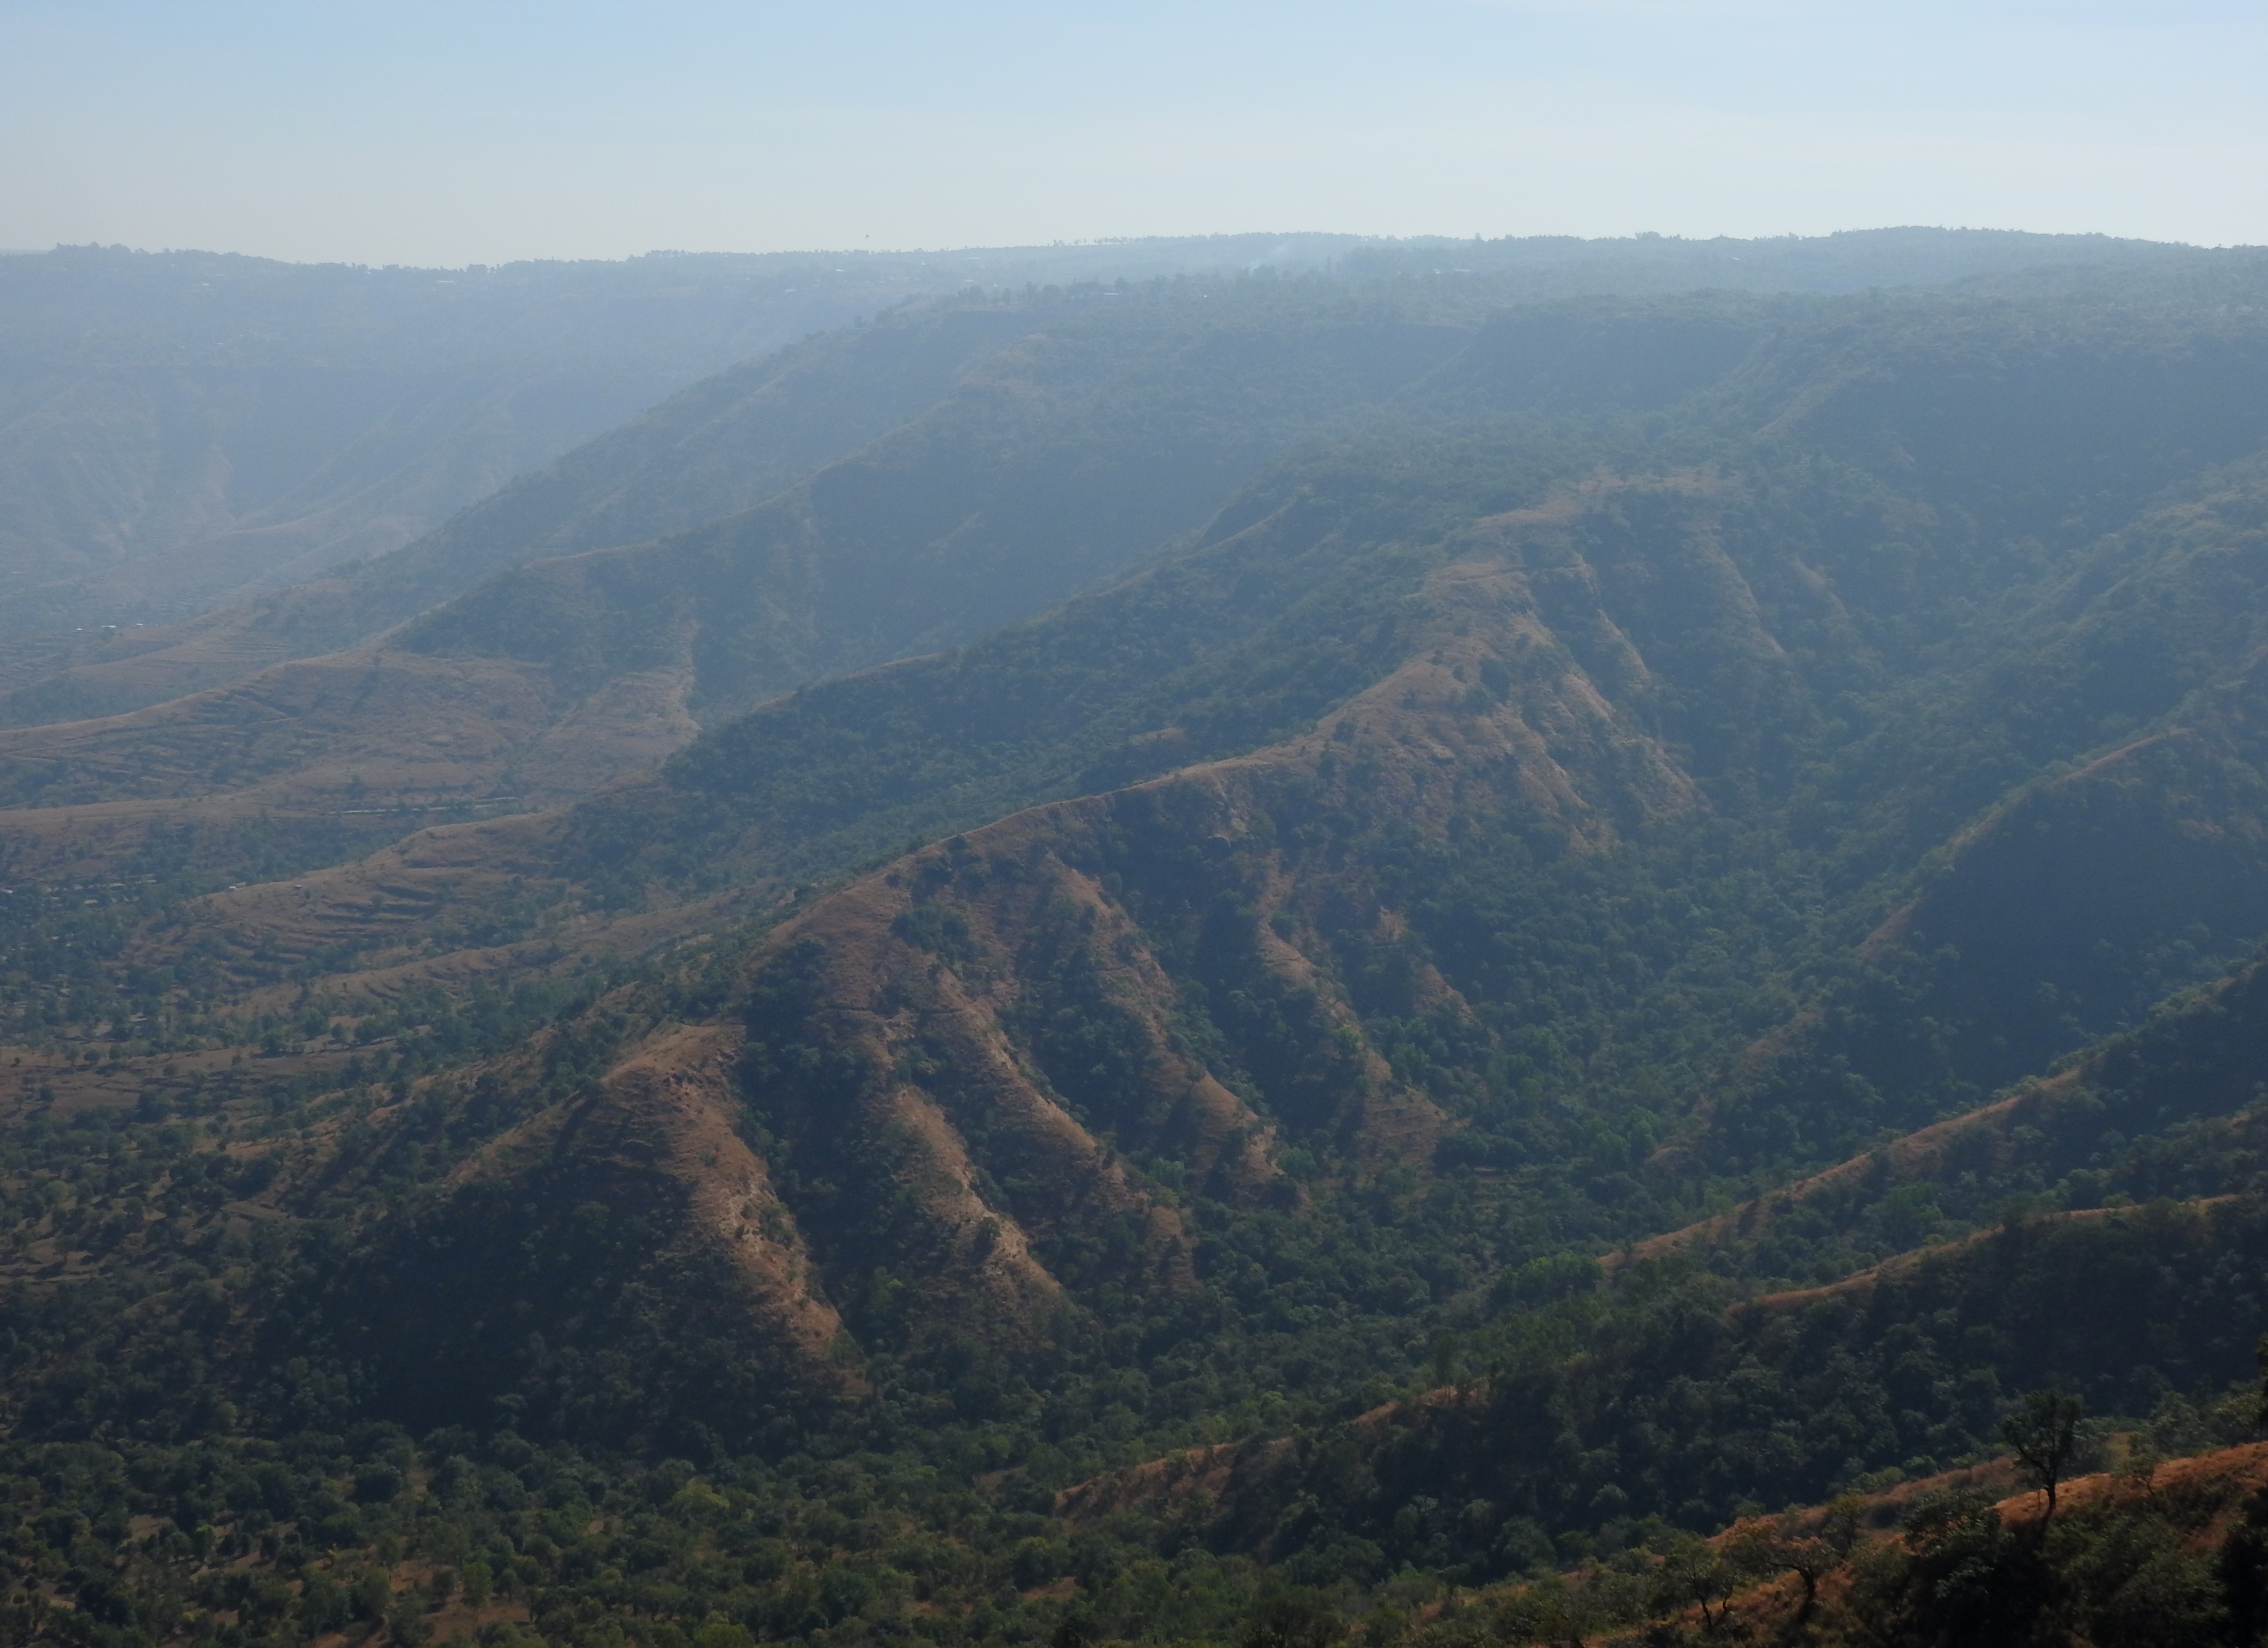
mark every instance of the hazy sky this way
{"type": "Point", "coordinates": [483, 130]}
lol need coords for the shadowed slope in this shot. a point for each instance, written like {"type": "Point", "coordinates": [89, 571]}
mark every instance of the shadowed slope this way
{"type": "Point", "coordinates": [628, 1227]}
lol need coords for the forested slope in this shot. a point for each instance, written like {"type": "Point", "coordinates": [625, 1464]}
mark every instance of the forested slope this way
{"type": "Point", "coordinates": [178, 431]}
{"type": "Point", "coordinates": [1136, 421]}
{"type": "Point", "coordinates": [711, 451]}
{"type": "Point", "coordinates": [1634, 910]}
{"type": "Point", "coordinates": [189, 435]}
{"type": "Point", "coordinates": [182, 429]}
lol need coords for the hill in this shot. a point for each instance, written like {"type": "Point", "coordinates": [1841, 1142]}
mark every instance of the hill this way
{"type": "Point", "coordinates": [1134, 422]}
{"type": "Point", "coordinates": [192, 435]}
{"type": "Point", "coordinates": [183, 431]}
{"type": "Point", "coordinates": [1636, 911]}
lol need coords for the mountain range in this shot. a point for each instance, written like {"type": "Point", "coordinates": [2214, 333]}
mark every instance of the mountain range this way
{"type": "Point", "coordinates": [1174, 956]}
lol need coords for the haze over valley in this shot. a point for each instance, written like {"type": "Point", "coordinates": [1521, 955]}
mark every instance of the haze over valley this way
{"type": "Point", "coordinates": [1245, 939]}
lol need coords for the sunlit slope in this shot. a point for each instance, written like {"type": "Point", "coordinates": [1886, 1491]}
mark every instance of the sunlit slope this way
{"type": "Point", "coordinates": [1813, 637]}
{"type": "Point", "coordinates": [1307, 950]}
{"type": "Point", "coordinates": [1259, 964]}
{"type": "Point", "coordinates": [1083, 447]}
{"type": "Point", "coordinates": [1375, 935]}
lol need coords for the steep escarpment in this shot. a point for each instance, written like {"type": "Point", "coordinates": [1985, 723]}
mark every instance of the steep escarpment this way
{"type": "Point", "coordinates": [1635, 934]}
{"type": "Point", "coordinates": [972, 1072]}
{"type": "Point", "coordinates": [994, 1082]}
{"type": "Point", "coordinates": [547, 683]}
{"type": "Point", "coordinates": [620, 1263]}
{"type": "Point", "coordinates": [938, 1050]}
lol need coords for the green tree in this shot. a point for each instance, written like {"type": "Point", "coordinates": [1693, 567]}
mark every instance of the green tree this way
{"type": "Point", "coordinates": [2043, 1431]}
{"type": "Point", "coordinates": [2260, 1355]}
{"type": "Point", "coordinates": [1291, 1621]}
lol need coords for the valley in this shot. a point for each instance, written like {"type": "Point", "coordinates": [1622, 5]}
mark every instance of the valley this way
{"type": "Point", "coordinates": [1340, 954]}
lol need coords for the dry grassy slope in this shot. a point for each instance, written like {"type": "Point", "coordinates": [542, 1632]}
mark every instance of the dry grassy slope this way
{"type": "Point", "coordinates": [418, 914]}
{"type": "Point", "coordinates": [978, 1160]}
{"type": "Point", "coordinates": [1483, 605]}
{"type": "Point", "coordinates": [627, 1222]}
{"type": "Point", "coordinates": [376, 910]}
{"type": "Point", "coordinates": [354, 986]}
{"type": "Point", "coordinates": [273, 731]}
{"type": "Point", "coordinates": [936, 977]}
{"type": "Point", "coordinates": [2207, 1491]}
{"type": "Point", "coordinates": [364, 740]}
{"type": "Point", "coordinates": [664, 1116]}
{"type": "Point", "coordinates": [959, 1144]}
{"type": "Point", "coordinates": [869, 560]}
{"type": "Point", "coordinates": [121, 1084]}
{"type": "Point", "coordinates": [83, 677]}
{"type": "Point", "coordinates": [988, 1159]}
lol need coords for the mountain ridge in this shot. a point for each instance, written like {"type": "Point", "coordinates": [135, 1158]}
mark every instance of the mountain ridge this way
{"type": "Point", "coordinates": [1678, 870]}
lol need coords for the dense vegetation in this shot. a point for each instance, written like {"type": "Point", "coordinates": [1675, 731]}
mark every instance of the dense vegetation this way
{"type": "Point", "coordinates": [1603, 923]}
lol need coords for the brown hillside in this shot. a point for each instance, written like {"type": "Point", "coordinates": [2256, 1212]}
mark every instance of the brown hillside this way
{"type": "Point", "coordinates": [948, 1063]}
{"type": "Point", "coordinates": [664, 1115]}
{"type": "Point", "coordinates": [75, 676]}
{"type": "Point", "coordinates": [367, 743]}
{"type": "Point", "coordinates": [905, 1054]}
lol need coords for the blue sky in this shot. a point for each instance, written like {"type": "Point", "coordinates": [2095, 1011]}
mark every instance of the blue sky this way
{"type": "Point", "coordinates": [490, 130]}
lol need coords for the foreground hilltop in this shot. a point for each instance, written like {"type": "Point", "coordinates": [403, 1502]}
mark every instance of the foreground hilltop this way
{"type": "Point", "coordinates": [1680, 874]}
